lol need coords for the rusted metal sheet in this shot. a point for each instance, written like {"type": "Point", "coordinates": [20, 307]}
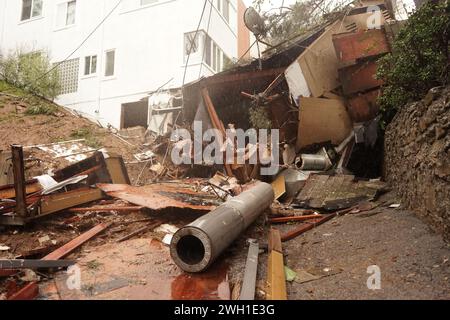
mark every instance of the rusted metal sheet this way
{"type": "Point", "coordinates": [162, 196]}
{"type": "Point", "coordinates": [364, 107]}
{"type": "Point", "coordinates": [335, 193]}
{"type": "Point", "coordinates": [77, 242]}
{"type": "Point", "coordinates": [359, 77]}
{"type": "Point", "coordinates": [351, 46]}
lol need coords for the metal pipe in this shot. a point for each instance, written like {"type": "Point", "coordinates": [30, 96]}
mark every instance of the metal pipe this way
{"type": "Point", "coordinates": [195, 247]}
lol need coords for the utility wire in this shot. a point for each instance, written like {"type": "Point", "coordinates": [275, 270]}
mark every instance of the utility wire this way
{"type": "Point", "coordinates": [83, 42]}
{"type": "Point", "coordinates": [204, 45]}
{"type": "Point", "coordinates": [192, 42]}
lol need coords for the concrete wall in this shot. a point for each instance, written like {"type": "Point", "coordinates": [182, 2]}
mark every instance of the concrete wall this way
{"type": "Point", "coordinates": [148, 40]}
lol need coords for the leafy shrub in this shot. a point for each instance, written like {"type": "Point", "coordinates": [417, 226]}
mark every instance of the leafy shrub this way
{"type": "Point", "coordinates": [31, 72]}
{"type": "Point", "coordinates": [44, 109]}
{"type": "Point", "coordinates": [419, 60]}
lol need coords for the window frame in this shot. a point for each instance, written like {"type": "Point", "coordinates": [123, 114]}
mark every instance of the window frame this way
{"type": "Point", "coordinates": [105, 65]}
{"type": "Point", "coordinates": [32, 7]}
{"type": "Point", "coordinates": [90, 74]}
{"type": "Point", "coordinates": [65, 14]}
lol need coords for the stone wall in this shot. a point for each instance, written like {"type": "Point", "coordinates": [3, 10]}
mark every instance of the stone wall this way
{"type": "Point", "coordinates": [417, 158]}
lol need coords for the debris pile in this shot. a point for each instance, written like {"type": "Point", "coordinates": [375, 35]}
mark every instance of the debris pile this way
{"type": "Point", "coordinates": [319, 92]}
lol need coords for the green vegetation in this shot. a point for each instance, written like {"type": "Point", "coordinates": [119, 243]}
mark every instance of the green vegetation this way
{"type": "Point", "coordinates": [419, 60]}
{"type": "Point", "coordinates": [87, 134]}
{"type": "Point", "coordinates": [30, 71]}
{"type": "Point", "coordinates": [260, 118]}
{"type": "Point", "coordinates": [44, 109]}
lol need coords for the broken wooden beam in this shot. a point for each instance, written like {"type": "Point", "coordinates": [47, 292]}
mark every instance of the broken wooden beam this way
{"type": "Point", "coordinates": [251, 270]}
{"type": "Point", "coordinates": [77, 242]}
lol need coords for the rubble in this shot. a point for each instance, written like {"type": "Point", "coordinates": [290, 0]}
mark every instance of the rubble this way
{"type": "Point", "coordinates": [319, 93]}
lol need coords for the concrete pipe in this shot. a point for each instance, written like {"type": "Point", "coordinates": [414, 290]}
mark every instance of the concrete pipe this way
{"type": "Point", "coordinates": [195, 247]}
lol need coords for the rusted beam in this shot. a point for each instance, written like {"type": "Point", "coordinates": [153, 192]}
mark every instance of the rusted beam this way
{"type": "Point", "coordinates": [294, 219]}
{"type": "Point", "coordinates": [77, 242]}
{"type": "Point", "coordinates": [149, 227]}
{"type": "Point", "coordinates": [306, 227]}
{"type": "Point", "coordinates": [28, 292]}
{"type": "Point", "coordinates": [19, 181]}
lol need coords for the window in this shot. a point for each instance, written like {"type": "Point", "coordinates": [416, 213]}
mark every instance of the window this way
{"type": "Point", "coordinates": [68, 75]}
{"type": "Point", "coordinates": [31, 9]}
{"type": "Point", "coordinates": [66, 14]}
{"type": "Point", "coordinates": [204, 49]}
{"type": "Point", "coordinates": [147, 2]}
{"type": "Point", "coordinates": [214, 56]}
{"type": "Point", "coordinates": [223, 6]}
{"type": "Point", "coordinates": [90, 65]}
{"type": "Point", "coordinates": [191, 45]}
{"type": "Point", "coordinates": [109, 64]}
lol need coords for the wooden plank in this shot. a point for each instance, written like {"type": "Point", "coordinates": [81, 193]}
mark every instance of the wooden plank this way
{"type": "Point", "coordinates": [6, 171]}
{"type": "Point", "coordinates": [243, 76]}
{"type": "Point", "coordinates": [117, 170]}
{"type": "Point", "coordinates": [276, 281]}
{"type": "Point", "coordinates": [61, 201]}
{"type": "Point", "coordinates": [275, 240]}
{"type": "Point", "coordinates": [322, 120]}
{"type": "Point", "coordinates": [251, 270]}
{"type": "Point", "coordinates": [77, 242]}
{"type": "Point", "coordinates": [306, 227]}
{"type": "Point", "coordinates": [8, 191]}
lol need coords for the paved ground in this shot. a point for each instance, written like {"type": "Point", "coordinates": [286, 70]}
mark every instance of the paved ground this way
{"type": "Point", "coordinates": [414, 262]}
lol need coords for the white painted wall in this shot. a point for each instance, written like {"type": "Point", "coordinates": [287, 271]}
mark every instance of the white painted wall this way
{"type": "Point", "coordinates": [149, 43]}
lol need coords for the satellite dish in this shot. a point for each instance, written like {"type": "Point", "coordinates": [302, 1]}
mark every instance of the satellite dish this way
{"type": "Point", "coordinates": [254, 22]}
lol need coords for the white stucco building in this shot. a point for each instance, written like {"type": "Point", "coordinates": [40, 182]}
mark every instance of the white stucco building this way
{"type": "Point", "coordinates": [142, 45]}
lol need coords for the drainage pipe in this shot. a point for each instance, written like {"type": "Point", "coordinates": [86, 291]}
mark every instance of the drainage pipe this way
{"type": "Point", "coordinates": [195, 247]}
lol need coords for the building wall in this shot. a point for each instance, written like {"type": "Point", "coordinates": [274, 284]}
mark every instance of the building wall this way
{"type": "Point", "coordinates": [148, 41]}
